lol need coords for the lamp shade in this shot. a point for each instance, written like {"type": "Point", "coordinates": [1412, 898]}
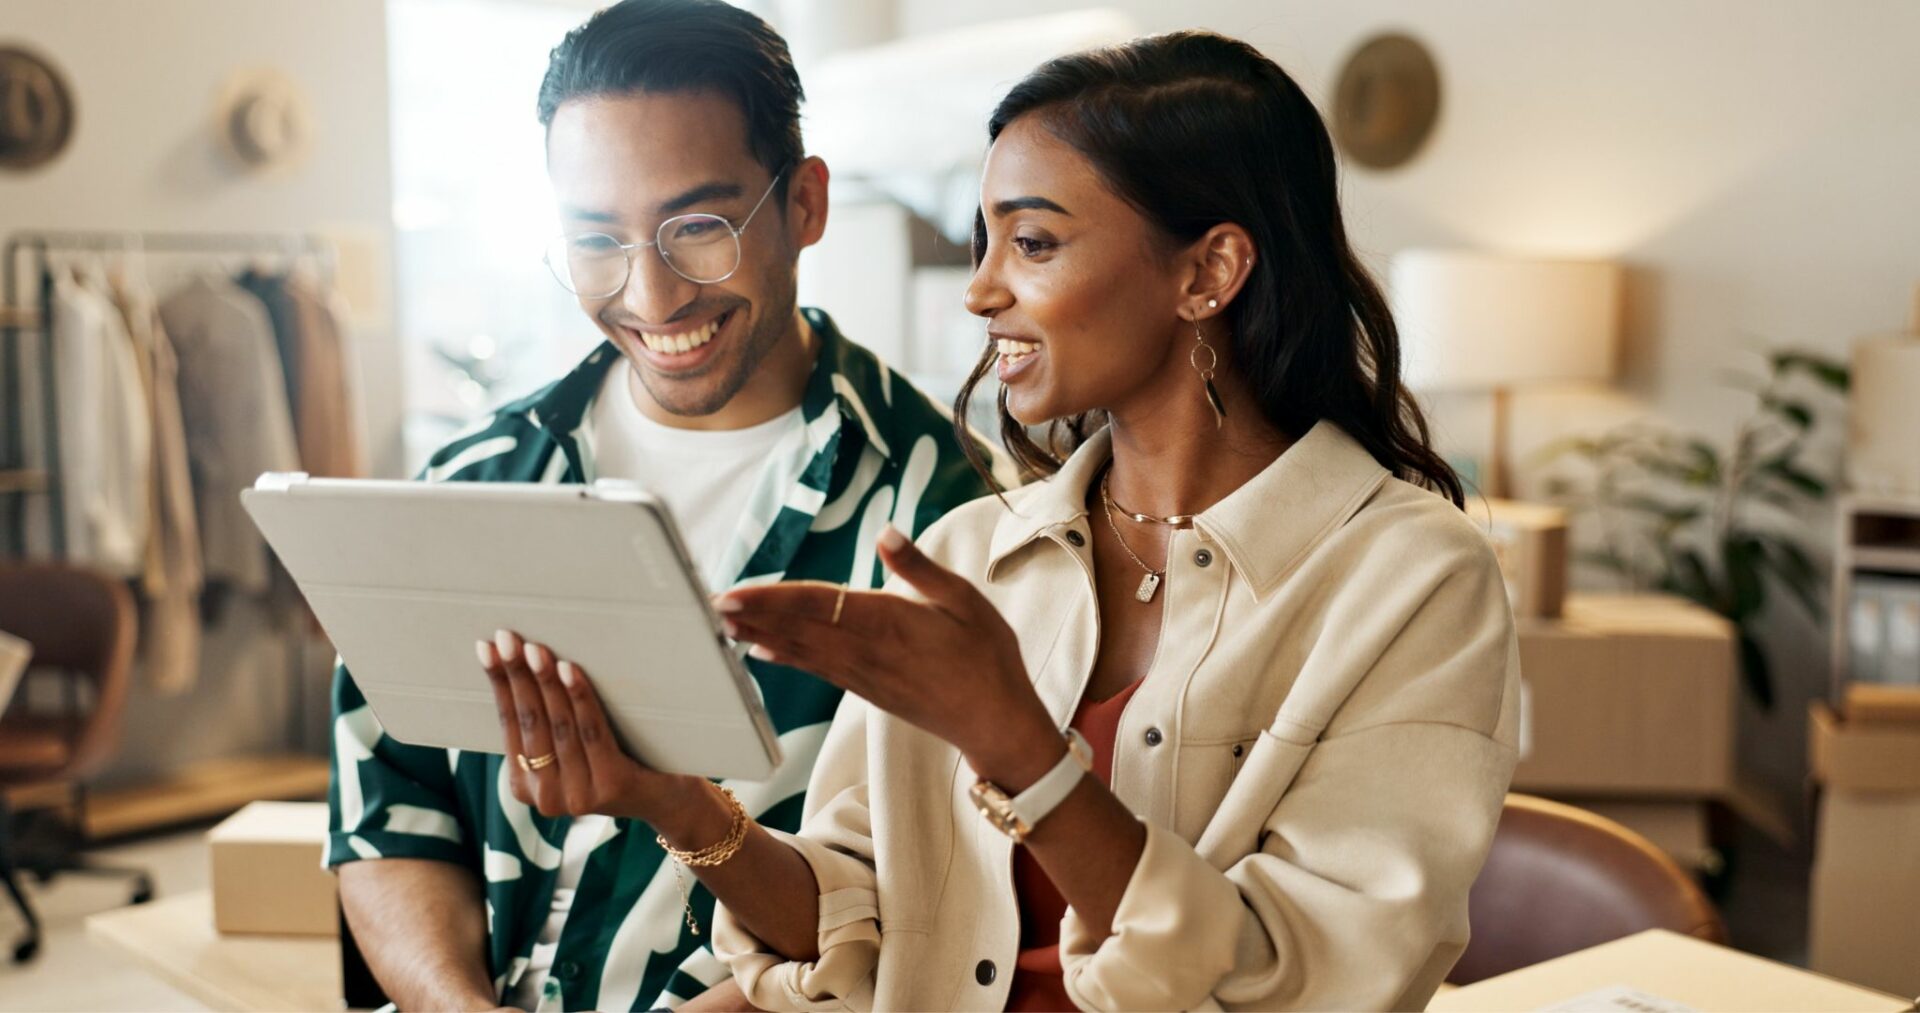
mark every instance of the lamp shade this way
{"type": "Point", "coordinates": [1469, 321]}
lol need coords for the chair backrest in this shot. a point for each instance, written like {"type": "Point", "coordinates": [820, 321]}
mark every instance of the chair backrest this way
{"type": "Point", "coordinates": [81, 623]}
{"type": "Point", "coordinates": [1560, 879]}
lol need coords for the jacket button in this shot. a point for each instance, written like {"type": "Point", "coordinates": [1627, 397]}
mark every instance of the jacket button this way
{"type": "Point", "coordinates": [1203, 558]}
{"type": "Point", "coordinates": [569, 970]}
{"type": "Point", "coordinates": [1076, 539]}
{"type": "Point", "coordinates": [984, 972]}
{"type": "Point", "coordinates": [1153, 736]}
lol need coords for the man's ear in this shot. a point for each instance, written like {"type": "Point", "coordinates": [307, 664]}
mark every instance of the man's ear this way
{"type": "Point", "coordinates": [807, 201]}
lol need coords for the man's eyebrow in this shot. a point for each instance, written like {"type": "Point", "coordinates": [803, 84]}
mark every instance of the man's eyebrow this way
{"type": "Point", "coordinates": [702, 194]}
{"type": "Point", "coordinates": [1007, 207]}
{"type": "Point", "coordinates": [582, 214]}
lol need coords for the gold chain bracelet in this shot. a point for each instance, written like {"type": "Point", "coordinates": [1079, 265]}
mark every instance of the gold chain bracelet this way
{"type": "Point", "coordinates": [709, 856]}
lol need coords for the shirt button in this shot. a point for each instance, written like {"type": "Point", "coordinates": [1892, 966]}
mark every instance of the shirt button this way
{"type": "Point", "coordinates": [1153, 736]}
{"type": "Point", "coordinates": [1238, 749]}
{"type": "Point", "coordinates": [984, 972]}
{"type": "Point", "coordinates": [1203, 558]}
{"type": "Point", "coordinates": [569, 969]}
{"type": "Point", "coordinates": [1076, 539]}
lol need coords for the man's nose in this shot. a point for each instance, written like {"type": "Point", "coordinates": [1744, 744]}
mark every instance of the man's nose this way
{"type": "Point", "coordinates": [655, 292]}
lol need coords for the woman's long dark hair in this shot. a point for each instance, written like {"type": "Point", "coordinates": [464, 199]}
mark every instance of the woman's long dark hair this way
{"type": "Point", "coordinates": [1195, 129]}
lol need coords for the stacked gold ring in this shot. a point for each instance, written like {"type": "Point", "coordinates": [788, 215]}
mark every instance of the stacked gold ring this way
{"type": "Point", "coordinates": [533, 763]}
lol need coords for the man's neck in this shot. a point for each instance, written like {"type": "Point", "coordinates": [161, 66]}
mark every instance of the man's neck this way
{"type": "Point", "coordinates": [777, 386]}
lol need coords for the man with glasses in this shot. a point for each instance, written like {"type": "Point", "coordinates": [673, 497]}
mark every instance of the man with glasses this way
{"type": "Point", "coordinates": [782, 448]}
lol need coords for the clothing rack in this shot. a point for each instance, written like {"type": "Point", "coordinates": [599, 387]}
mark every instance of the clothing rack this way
{"type": "Point", "coordinates": [212, 787]}
{"type": "Point", "coordinates": [33, 251]}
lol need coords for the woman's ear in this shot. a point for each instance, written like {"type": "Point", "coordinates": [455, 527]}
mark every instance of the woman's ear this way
{"type": "Point", "coordinates": [1221, 261]}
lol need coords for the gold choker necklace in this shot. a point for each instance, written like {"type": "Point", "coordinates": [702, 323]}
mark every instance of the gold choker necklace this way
{"type": "Point", "coordinates": [1175, 521]}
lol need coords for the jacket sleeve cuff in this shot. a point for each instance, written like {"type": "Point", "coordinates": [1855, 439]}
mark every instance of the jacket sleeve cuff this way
{"type": "Point", "coordinates": [842, 977]}
{"type": "Point", "coordinates": [1154, 927]}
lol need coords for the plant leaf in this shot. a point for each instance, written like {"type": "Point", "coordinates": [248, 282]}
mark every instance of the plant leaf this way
{"type": "Point", "coordinates": [1784, 469]}
{"type": "Point", "coordinates": [1829, 372]}
{"type": "Point", "coordinates": [1746, 591]}
{"type": "Point", "coordinates": [1755, 672]}
{"type": "Point", "coordinates": [1795, 412]}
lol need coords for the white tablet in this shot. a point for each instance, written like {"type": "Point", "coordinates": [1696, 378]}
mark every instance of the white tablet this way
{"type": "Point", "coordinates": [406, 576]}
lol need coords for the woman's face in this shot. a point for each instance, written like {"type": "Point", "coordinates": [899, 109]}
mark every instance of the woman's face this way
{"type": "Point", "coordinates": [1080, 292]}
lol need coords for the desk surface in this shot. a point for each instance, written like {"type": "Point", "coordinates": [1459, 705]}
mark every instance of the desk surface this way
{"type": "Point", "coordinates": [1677, 968]}
{"type": "Point", "coordinates": [173, 938]}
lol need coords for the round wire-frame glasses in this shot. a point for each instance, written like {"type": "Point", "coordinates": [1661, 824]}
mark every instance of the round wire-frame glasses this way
{"type": "Point", "coordinates": [702, 248]}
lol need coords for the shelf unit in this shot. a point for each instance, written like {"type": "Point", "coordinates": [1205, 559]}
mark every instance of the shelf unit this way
{"type": "Point", "coordinates": [1876, 534]}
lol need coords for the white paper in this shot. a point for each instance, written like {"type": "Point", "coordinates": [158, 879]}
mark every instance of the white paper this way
{"type": "Point", "coordinates": [1618, 999]}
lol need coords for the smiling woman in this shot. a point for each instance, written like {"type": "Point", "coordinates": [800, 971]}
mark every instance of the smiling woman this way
{"type": "Point", "coordinates": [1246, 736]}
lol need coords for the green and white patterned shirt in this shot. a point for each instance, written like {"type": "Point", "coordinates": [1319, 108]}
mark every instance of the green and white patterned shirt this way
{"type": "Point", "coordinates": [876, 451]}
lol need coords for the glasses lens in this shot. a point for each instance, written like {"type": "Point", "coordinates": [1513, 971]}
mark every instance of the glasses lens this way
{"type": "Point", "coordinates": [700, 247]}
{"type": "Point", "coordinates": [591, 264]}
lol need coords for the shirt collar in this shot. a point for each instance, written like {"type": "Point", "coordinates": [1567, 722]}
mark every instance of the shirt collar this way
{"type": "Point", "coordinates": [1265, 528]}
{"type": "Point", "coordinates": [846, 378]}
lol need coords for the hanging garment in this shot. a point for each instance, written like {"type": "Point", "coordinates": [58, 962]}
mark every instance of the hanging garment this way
{"type": "Point", "coordinates": [106, 442]}
{"type": "Point", "coordinates": [308, 331]}
{"type": "Point", "coordinates": [233, 403]}
{"type": "Point", "coordinates": [328, 415]}
{"type": "Point", "coordinates": [170, 630]}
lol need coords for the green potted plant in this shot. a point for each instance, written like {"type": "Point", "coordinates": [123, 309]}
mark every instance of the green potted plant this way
{"type": "Point", "coordinates": [1721, 525]}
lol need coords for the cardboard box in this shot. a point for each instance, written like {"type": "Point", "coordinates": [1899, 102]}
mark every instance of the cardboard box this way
{"type": "Point", "coordinates": [1659, 971]}
{"type": "Point", "coordinates": [1628, 695]}
{"type": "Point", "coordinates": [267, 876]}
{"type": "Point", "coordinates": [1530, 541]}
{"type": "Point", "coordinates": [1865, 914]}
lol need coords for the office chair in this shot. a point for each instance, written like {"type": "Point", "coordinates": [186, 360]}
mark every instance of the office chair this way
{"type": "Point", "coordinates": [82, 627]}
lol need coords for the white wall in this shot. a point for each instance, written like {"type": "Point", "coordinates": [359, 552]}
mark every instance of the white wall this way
{"type": "Point", "coordinates": [1757, 166]}
{"type": "Point", "coordinates": [145, 75]}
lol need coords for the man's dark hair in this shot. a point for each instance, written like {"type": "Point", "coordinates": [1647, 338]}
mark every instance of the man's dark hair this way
{"type": "Point", "coordinates": [685, 46]}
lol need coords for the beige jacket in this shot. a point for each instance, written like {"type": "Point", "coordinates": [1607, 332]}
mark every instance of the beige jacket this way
{"type": "Point", "coordinates": [1319, 753]}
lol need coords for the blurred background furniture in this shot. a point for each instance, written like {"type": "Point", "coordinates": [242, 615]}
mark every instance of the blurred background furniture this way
{"type": "Point", "coordinates": [82, 627]}
{"type": "Point", "coordinates": [1561, 879]}
{"type": "Point", "coordinates": [1474, 322]}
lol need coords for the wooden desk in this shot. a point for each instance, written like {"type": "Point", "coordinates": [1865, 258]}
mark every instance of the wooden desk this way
{"type": "Point", "coordinates": [173, 939]}
{"type": "Point", "coordinates": [1677, 968]}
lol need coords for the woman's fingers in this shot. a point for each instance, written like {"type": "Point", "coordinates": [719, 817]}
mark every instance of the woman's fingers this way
{"type": "Point", "coordinates": [810, 600]}
{"type": "Point", "coordinates": [950, 592]}
{"type": "Point", "coordinates": [603, 752]}
{"type": "Point", "coordinates": [832, 653]}
{"type": "Point", "coordinates": [530, 712]}
{"type": "Point", "coordinates": [509, 717]}
{"type": "Point", "coordinates": [570, 766]}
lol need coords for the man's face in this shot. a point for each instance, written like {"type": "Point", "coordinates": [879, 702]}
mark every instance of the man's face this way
{"type": "Point", "coordinates": [623, 164]}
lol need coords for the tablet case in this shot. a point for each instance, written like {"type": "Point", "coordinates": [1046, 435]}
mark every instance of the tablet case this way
{"type": "Point", "coordinates": [406, 576]}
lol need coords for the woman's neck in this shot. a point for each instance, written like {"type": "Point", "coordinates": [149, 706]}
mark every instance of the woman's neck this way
{"type": "Point", "coordinates": [1170, 458]}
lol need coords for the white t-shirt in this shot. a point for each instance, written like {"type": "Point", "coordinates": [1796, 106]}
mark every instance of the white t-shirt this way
{"type": "Point", "coordinates": [705, 478]}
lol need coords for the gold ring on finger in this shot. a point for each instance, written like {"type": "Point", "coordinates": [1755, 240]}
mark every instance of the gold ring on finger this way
{"type": "Point", "coordinates": [533, 763]}
{"type": "Point", "coordinates": [839, 602]}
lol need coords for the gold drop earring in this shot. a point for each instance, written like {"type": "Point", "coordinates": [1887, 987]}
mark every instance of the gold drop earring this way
{"type": "Point", "coordinates": [1206, 371]}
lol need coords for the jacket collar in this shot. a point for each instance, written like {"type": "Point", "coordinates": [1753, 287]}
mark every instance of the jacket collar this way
{"type": "Point", "coordinates": [846, 378]}
{"type": "Point", "coordinates": [1266, 528]}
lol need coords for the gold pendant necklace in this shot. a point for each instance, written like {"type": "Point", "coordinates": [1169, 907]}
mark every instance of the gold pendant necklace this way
{"type": "Point", "coordinates": [1151, 582]}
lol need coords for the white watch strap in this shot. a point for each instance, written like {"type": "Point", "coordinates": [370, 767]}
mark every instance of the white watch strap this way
{"type": "Point", "coordinates": [1044, 795]}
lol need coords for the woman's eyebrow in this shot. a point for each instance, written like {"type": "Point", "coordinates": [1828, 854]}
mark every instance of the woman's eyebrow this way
{"type": "Point", "coordinates": [1007, 207]}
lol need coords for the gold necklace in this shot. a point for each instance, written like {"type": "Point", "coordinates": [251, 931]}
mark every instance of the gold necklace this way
{"type": "Point", "coordinates": [1175, 521]}
{"type": "Point", "coordinates": [1151, 582]}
